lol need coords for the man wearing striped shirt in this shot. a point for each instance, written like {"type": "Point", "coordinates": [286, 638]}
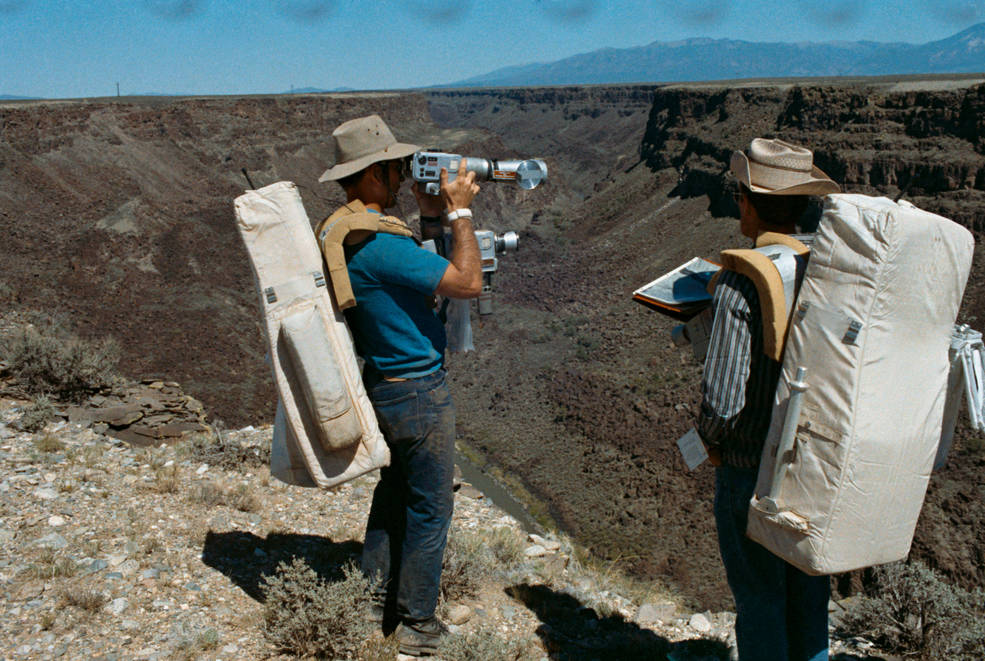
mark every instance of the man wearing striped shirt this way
{"type": "Point", "coordinates": [781, 613]}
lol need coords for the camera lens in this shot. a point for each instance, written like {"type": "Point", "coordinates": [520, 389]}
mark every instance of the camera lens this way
{"type": "Point", "coordinates": [507, 242]}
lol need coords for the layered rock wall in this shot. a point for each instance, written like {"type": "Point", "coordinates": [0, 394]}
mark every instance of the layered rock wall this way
{"type": "Point", "coordinates": [925, 145]}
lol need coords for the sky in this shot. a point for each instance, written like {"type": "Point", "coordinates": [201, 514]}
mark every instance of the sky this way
{"type": "Point", "coordinates": [82, 48]}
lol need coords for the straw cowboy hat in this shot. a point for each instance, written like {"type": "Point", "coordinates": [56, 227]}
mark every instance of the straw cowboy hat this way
{"type": "Point", "coordinates": [361, 142]}
{"type": "Point", "coordinates": [775, 167]}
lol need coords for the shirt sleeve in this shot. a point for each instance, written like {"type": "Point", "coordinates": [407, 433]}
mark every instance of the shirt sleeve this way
{"type": "Point", "coordinates": [727, 364]}
{"type": "Point", "coordinates": [404, 263]}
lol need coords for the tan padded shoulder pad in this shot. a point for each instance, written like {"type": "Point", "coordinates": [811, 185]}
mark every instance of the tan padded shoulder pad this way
{"type": "Point", "coordinates": [769, 286]}
{"type": "Point", "coordinates": [348, 225]}
{"type": "Point", "coordinates": [777, 238]}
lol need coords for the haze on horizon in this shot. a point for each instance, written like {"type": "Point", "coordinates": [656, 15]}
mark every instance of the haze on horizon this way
{"type": "Point", "coordinates": [69, 49]}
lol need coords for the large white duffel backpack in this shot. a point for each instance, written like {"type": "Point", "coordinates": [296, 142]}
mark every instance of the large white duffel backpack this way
{"type": "Point", "coordinates": [325, 430]}
{"type": "Point", "coordinates": [857, 417]}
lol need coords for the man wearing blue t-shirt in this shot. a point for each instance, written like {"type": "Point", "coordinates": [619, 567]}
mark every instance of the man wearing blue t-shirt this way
{"type": "Point", "coordinates": [399, 335]}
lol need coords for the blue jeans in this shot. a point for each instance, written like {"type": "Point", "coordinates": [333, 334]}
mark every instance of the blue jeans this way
{"type": "Point", "coordinates": [781, 612]}
{"type": "Point", "coordinates": [413, 501]}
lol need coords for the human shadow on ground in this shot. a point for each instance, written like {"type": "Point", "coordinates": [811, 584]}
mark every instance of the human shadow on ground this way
{"type": "Point", "coordinates": [246, 558]}
{"type": "Point", "coordinates": [570, 631]}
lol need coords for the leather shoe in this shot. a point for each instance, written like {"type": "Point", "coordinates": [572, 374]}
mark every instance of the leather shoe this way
{"type": "Point", "coordinates": [420, 638]}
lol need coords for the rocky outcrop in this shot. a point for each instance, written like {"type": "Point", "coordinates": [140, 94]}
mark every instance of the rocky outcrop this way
{"type": "Point", "coordinates": [925, 145]}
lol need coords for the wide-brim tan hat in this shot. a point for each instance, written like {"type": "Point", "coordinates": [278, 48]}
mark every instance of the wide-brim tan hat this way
{"type": "Point", "coordinates": [361, 142]}
{"type": "Point", "coordinates": [775, 167]}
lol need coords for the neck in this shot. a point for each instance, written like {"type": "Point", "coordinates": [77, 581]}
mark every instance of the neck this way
{"type": "Point", "coordinates": [375, 206]}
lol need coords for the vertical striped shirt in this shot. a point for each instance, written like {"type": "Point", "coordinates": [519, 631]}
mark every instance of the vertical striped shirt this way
{"type": "Point", "coordinates": [739, 379]}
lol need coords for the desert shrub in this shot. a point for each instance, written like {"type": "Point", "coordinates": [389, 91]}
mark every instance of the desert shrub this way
{"type": "Point", "coordinates": [48, 621]}
{"type": "Point", "coordinates": [909, 610]}
{"type": "Point", "coordinates": [48, 443]}
{"type": "Point", "coordinates": [217, 449]}
{"type": "Point", "coordinates": [211, 494]}
{"type": "Point", "coordinates": [242, 498]}
{"type": "Point", "coordinates": [86, 599]}
{"type": "Point", "coordinates": [36, 416]}
{"type": "Point", "coordinates": [467, 562]}
{"type": "Point", "coordinates": [208, 493]}
{"type": "Point", "coordinates": [506, 546]}
{"type": "Point", "coordinates": [307, 616]}
{"type": "Point", "coordinates": [54, 361]}
{"type": "Point", "coordinates": [167, 479]}
{"type": "Point", "coordinates": [481, 646]}
{"type": "Point", "coordinates": [190, 644]}
{"type": "Point", "coordinates": [377, 648]}
{"type": "Point", "coordinates": [51, 564]}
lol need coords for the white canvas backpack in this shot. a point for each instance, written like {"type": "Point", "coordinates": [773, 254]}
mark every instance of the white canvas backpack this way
{"type": "Point", "coordinates": [863, 386]}
{"type": "Point", "coordinates": [325, 430]}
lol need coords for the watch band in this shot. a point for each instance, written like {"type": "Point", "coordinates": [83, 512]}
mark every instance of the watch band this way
{"type": "Point", "coordinates": [458, 213]}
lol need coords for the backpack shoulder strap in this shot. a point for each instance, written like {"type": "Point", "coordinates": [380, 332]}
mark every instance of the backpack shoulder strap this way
{"type": "Point", "coordinates": [349, 225]}
{"type": "Point", "coordinates": [772, 268]}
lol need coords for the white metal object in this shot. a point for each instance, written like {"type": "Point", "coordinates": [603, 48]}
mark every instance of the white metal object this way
{"type": "Point", "coordinates": [787, 437]}
{"type": "Point", "coordinates": [965, 382]}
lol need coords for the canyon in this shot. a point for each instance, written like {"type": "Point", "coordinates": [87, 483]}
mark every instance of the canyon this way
{"type": "Point", "coordinates": [116, 217]}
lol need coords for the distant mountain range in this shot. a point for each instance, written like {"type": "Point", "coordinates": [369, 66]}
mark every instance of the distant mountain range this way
{"type": "Point", "coordinates": [727, 59]}
{"type": "Point", "coordinates": [317, 90]}
{"type": "Point", "coordinates": [724, 59]}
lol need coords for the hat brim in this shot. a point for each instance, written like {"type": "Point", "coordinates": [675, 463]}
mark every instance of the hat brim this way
{"type": "Point", "coordinates": [342, 170]}
{"type": "Point", "coordinates": [817, 183]}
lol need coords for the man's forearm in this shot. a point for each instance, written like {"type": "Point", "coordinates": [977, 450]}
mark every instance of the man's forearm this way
{"type": "Point", "coordinates": [465, 249]}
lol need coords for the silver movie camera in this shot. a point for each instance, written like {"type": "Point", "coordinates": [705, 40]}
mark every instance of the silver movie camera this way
{"type": "Point", "coordinates": [425, 167]}
{"type": "Point", "coordinates": [491, 244]}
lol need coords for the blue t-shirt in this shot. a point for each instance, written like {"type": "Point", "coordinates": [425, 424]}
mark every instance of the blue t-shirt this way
{"type": "Point", "coordinates": [395, 328]}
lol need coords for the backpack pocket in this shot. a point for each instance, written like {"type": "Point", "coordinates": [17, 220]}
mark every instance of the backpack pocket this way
{"type": "Point", "coordinates": [313, 368]}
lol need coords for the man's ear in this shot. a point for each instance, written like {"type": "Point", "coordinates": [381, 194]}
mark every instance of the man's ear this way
{"type": "Point", "coordinates": [378, 172]}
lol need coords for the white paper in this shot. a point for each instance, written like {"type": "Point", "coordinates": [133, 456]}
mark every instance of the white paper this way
{"type": "Point", "coordinates": [692, 449]}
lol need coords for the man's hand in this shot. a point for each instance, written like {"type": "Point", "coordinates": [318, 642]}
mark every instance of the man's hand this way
{"type": "Point", "coordinates": [458, 194]}
{"type": "Point", "coordinates": [463, 278]}
{"type": "Point", "coordinates": [430, 205]}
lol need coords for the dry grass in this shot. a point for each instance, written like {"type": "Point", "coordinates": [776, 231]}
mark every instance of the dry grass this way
{"type": "Point", "coordinates": [84, 598]}
{"type": "Point", "coordinates": [507, 545]}
{"type": "Point", "coordinates": [207, 493]}
{"type": "Point", "coordinates": [467, 563]}
{"type": "Point", "coordinates": [167, 479]}
{"type": "Point", "coordinates": [92, 455]}
{"type": "Point", "coordinates": [211, 494]}
{"type": "Point", "coordinates": [216, 448]}
{"type": "Point", "coordinates": [48, 442]}
{"type": "Point", "coordinates": [192, 644]}
{"type": "Point", "coordinates": [51, 564]}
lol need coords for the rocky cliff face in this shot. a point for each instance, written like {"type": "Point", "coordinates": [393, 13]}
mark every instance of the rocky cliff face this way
{"type": "Point", "coordinates": [925, 145]}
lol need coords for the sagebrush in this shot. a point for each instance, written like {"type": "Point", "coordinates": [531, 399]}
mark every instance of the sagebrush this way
{"type": "Point", "coordinates": [910, 610]}
{"type": "Point", "coordinates": [307, 616]}
{"type": "Point", "coordinates": [49, 360]}
{"type": "Point", "coordinates": [36, 415]}
{"type": "Point", "coordinates": [483, 646]}
{"type": "Point", "coordinates": [468, 560]}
